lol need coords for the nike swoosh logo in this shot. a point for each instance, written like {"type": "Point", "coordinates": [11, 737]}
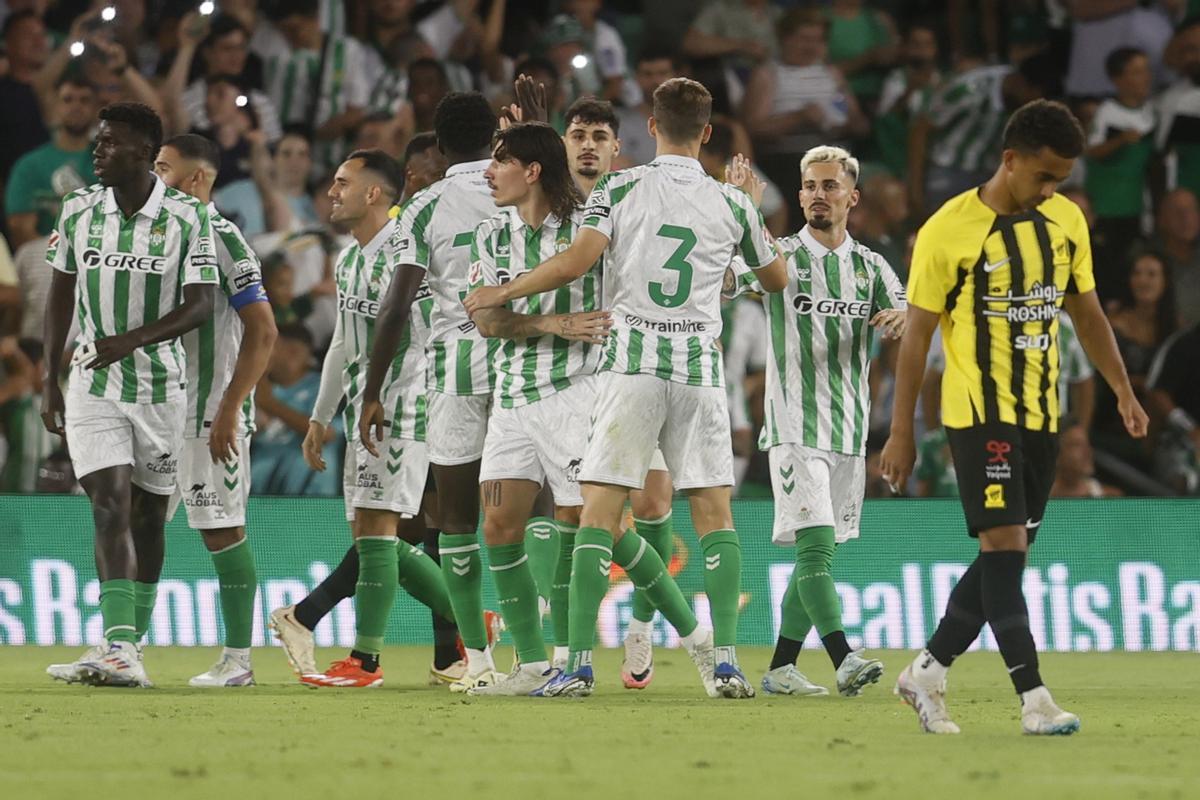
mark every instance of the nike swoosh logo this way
{"type": "Point", "coordinates": [989, 267]}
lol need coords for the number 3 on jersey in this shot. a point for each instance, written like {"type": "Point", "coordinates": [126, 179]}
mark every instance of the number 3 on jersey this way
{"type": "Point", "coordinates": [678, 263]}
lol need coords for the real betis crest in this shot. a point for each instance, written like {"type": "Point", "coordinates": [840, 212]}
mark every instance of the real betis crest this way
{"type": "Point", "coordinates": [860, 277]}
{"type": "Point", "coordinates": [158, 236]}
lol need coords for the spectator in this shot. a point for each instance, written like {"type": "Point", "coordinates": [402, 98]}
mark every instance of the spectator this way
{"type": "Point", "coordinates": [1075, 474]}
{"type": "Point", "coordinates": [285, 399]}
{"type": "Point", "coordinates": [224, 48]}
{"type": "Point", "coordinates": [282, 180]}
{"type": "Point", "coordinates": [383, 131]}
{"type": "Point", "coordinates": [863, 45]}
{"type": "Point", "coordinates": [20, 407]}
{"type": "Point", "coordinates": [880, 220]}
{"type": "Point", "coordinates": [954, 144]}
{"type": "Point", "coordinates": [326, 82]}
{"type": "Point", "coordinates": [1100, 27]}
{"type": "Point", "coordinates": [654, 68]}
{"type": "Point", "coordinates": [43, 176]}
{"type": "Point", "coordinates": [1178, 235]}
{"type": "Point", "coordinates": [26, 47]}
{"type": "Point", "coordinates": [606, 73]}
{"type": "Point", "coordinates": [797, 102]}
{"type": "Point", "coordinates": [1141, 325]}
{"type": "Point", "coordinates": [1119, 148]}
{"type": "Point", "coordinates": [33, 278]}
{"type": "Point", "coordinates": [718, 152]}
{"type": "Point", "coordinates": [743, 31]}
{"type": "Point", "coordinates": [393, 40]}
{"type": "Point", "coordinates": [1178, 133]}
{"type": "Point", "coordinates": [427, 85]}
{"type": "Point", "coordinates": [904, 94]}
{"type": "Point", "coordinates": [1175, 403]}
{"type": "Point", "coordinates": [424, 164]}
{"type": "Point", "coordinates": [11, 296]}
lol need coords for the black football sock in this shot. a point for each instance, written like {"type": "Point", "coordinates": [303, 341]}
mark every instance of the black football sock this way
{"type": "Point", "coordinates": [331, 591]}
{"type": "Point", "coordinates": [786, 651]}
{"type": "Point", "coordinates": [836, 646]}
{"type": "Point", "coordinates": [445, 632]}
{"type": "Point", "coordinates": [1005, 609]}
{"type": "Point", "coordinates": [370, 661]}
{"type": "Point", "coordinates": [963, 620]}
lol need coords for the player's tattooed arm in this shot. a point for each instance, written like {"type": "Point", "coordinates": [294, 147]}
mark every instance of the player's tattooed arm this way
{"type": "Point", "coordinates": [197, 306]}
{"type": "Point", "coordinates": [584, 326]}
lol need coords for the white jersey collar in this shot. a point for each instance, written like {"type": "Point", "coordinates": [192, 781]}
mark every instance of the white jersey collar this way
{"type": "Point", "coordinates": [679, 161]}
{"type": "Point", "coordinates": [153, 203]}
{"type": "Point", "coordinates": [467, 166]}
{"type": "Point", "coordinates": [371, 248]}
{"type": "Point", "coordinates": [819, 250]}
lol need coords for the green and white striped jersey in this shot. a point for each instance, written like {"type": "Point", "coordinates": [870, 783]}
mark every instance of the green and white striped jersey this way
{"type": "Point", "coordinates": [363, 275]}
{"type": "Point", "coordinates": [817, 393]}
{"type": "Point", "coordinates": [1073, 364]}
{"type": "Point", "coordinates": [672, 232]}
{"type": "Point", "coordinates": [968, 117]}
{"type": "Point", "coordinates": [436, 229]}
{"type": "Point", "coordinates": [212, 349]}
{"type": "Point", "coordinates": [130, 272]}
{"type": "Point", "coordinates": [504, 248]}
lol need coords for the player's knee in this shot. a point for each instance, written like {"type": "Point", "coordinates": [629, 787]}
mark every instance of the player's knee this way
{"type": "Point", "coordinates": [498, 529]}
{"type": "Point", "coordinates": [1005, 537]}
{"type": "Point", "coordinates": [111, 513]}
{"type": "Point", "coordinates": [650, 506]}
{"type": "Point", "coordinates": [568, 514]}
{"type": "Point", "coordinates": [222, 538]}
{"type": "Point", "coordinates": [411, 530]}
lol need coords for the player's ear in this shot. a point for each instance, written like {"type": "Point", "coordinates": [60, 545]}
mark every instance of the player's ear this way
{"type": "Point", "coordinates": [616, 147]}
{"type": "Point", "coordinates": [652, 126]}
{"type": "Point", "coordinates": [533, 172]}
{"type": "Point", "coordinates": [854, 195]}
{"type": "Point", "coordinates": [707, 132]}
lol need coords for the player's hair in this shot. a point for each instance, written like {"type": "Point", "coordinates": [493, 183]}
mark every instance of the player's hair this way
{"type": "Point", "coordinates": [223, 25]}
{"type": "Point", "coordinates": [591, 111]}
{"type": "Point", "coordinates": [464, 123]}
{"type": "Point", "coordinates": [530, 142]}
{"type": "Point", "coordinates": [657, 53]}
{"type": "Point", "coordinates": [1044, 123]}
{"type": "Point", "coordinates": [297, 331]}
{"type": "Point", "coordinates": [799, 18]}
{"type": "Point", "coordinates": [682, 107]}
{"type": "Point", "coordinates": [831, 154]}
{"type": "Point", "coordinates": [195, 147]}
{"type": "Point", "coordinates": [140, 118]}
{"type": "Point", "coordinates": [1119, 59]}
{"type": "Point", "coordinates": [419, 144]}
{"type": "Point", "coordinates": [385, 167]}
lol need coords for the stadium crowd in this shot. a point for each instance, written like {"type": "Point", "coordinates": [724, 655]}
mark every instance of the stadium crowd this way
{"type": "Point", "coordinates": [918, 90]}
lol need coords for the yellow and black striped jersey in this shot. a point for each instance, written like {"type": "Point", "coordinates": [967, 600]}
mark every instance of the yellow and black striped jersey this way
{"type": "Point", "coordinates": [998, 283]}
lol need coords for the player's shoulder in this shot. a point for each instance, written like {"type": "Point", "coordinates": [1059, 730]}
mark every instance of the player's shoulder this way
{"type": "Point", "coordinates": [1066, 213]}
{"type": "Point", "coordinates": [185, 205]}
{"type": "Point", "coordinates": [871, 257]}
{"type": "Point", "coordinates": [84, 198]}
{"type": "Point", "coordinates": [624, 178]}
{"type": "Point", "coordinates": [959, 216]}
{"type": "Point", "coordinates": [789, 244]}
{"type": "Point", "coordinates": [490, 226]}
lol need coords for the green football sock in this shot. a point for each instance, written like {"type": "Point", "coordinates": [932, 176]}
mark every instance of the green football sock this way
{"type": "Point", "coordinates": [814, 582]}
{"type": "Point", "coordinates": [592, 564]}
{"type": "Point", "coordinates": [517, 592]}
{"type": "Point", "coordinates": [422, 578]}
{"type": "Point", "coordinates": [375, 592]}
{"type": "Point", "coordinates": [648, 573]}
{"type": "Point", "coordinates": [463, 571]}
{"type": "Point", "coordinates": [661, 537]}
{"type": "Point", "coordinates": [239, 583]}
{"type": "Point", "coordinates": [144, 597]}
{"type": "Point", "coordinates": [794, 622]}
{"type": "Point", "coordinates": [541, 543]}
{"type": "Point", "coordinates": [117, 610]}
{"type": "Point", "coordinates": [722, 583]}
{"type": "Point", "coordinates": [560, 590]}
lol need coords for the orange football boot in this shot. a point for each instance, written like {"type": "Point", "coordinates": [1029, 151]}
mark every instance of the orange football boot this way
{"type": "Point", "coordinates": [347, 673]}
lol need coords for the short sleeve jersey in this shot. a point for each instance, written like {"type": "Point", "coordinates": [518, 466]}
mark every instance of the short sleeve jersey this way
{"type": "Point", "coordinates": [505, 247]}
{"type": "Point", "coordinates": [363, 275]}
{"type": "Point", "coordinates": [436, 230]}
{"type": "Point", "coordinates": [998, 283]}
{"type": "Point", "coordinates": [817, 393]}
{"type": "Point", "coordinates": [672, 233]}
{"type": "Point", "coordinates": [212, 349]}
{"type": "Point", "coordinates": [129, 273]}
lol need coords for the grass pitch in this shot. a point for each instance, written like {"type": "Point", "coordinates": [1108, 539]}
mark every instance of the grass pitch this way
{"type": "Point", "coordinates": [1139, 739]}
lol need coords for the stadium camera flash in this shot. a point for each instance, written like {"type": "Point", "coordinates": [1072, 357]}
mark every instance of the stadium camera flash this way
{"type": "Point", "coordinates": [207, 8]}
{"type": "Point", "coordinates": [580, 61]}
{"type": "Point", "coordinates": [109, 13]}
{"type": "Point", "coordinates": [76, 49]}
{"type": "Point", "coordinates": [242, 100]}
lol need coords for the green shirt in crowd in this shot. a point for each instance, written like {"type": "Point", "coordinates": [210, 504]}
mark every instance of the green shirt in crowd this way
{"type": "Point", "coordinates": [42, 178]}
